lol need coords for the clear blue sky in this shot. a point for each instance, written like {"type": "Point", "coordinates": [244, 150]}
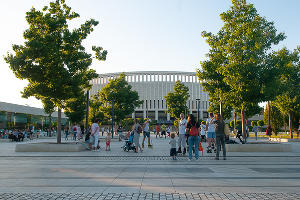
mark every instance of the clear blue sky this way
{"type": "Point", "coordinates": [142, 35]}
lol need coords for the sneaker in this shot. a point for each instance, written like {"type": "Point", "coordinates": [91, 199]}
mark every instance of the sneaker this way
{"type": "Point", "coordinates": [224, 158]}
{"type": "Point", "coordinates": [216, 158]}
{"type": "Point", "coordinates": [189, 159]}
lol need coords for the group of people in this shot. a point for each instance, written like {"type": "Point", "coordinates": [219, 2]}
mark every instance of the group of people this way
{"type": "Point", "coordinates": [189, 134]}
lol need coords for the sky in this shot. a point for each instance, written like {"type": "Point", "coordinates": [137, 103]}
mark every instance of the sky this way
{"type": "Point", "coordinates": [140, 35]}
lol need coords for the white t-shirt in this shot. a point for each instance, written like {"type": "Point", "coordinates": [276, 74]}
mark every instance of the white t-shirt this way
{"type": "Point", "coordinates": [182, 126]}
{"type": "Point", "coordinates": [146, 128]}
{"type": "Point", "coordinates": [202, 129]}
{"type": "Point", "coordinates": [211, 127]}
{"type": "Point", "coordinates": [95, 129]}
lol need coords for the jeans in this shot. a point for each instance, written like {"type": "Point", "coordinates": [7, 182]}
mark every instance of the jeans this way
{"type": "Point", "coordinates": [193, 140]}
{"type": "Point", "coordinates": [181, 141]}
{"type": "Point", "coordinates": [220, 140]}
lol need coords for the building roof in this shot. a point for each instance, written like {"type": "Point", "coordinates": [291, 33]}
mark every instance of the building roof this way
{"type": "Point", "coordinates": [9, 107]}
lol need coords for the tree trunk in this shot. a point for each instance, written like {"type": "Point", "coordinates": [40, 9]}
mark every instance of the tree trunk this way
{"type": "Point", "coordinates": [290, 124]}
{"type": "Point", "coordinates": [59, 126]}
{"type": "Point", "coordinates": [243, 125]}
{"type": "Point", "coordinates": [221, 109]}
{"type": "Point", "coordinates": [269, 115]}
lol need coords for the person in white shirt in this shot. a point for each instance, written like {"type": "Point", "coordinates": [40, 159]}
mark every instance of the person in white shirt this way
{"type": "Point", "coordinates": [211, 134]}
{"type": "Point", "coordinates": [202, 126]}
{"type": "Point", "coordinates": [95, 134]}
{"type": "Point", "coordinates": [182, 138]}
{"type": "Point", "coordinates": [146, 131]}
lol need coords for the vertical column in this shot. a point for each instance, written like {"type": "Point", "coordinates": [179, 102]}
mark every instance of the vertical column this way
{"type": "Point", "coordinates": [144, 113]}
{"type": "Point", "coordinates": [133, 115]}
{"type": "Point", "coordinates": [156, 114]}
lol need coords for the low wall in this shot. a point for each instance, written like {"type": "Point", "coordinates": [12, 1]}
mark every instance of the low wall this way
{"type": "Point", "coordinates": [284, 140]}
{"type": "Point", "coordinates": [49, 147]}
{"type": "Point", "coordinates": [259, 148]}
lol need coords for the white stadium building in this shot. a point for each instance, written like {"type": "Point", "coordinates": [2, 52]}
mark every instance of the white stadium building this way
{"type": "Point", "coordinates": [153, 86]}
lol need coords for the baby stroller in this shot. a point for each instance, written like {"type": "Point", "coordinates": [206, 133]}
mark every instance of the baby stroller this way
{"type": "Point", "coordinates": [129, 143]}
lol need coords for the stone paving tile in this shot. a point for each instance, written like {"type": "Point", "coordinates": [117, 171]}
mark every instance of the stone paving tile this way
{"type": "Point", "coordinates": [148, 196]}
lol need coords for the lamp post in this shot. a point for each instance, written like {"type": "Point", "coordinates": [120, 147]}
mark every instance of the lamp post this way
{"type": "Point", "coordinates": [87, 112]}
{"type": "Point", "coordinates": [198, 107]}
{"type": "Point", "coordinates": [112, 118]}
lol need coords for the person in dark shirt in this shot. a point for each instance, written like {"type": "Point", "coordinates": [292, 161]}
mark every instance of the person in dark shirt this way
{"type": "Point", "coordinates": [193, 129]}
{"type": "Point", "coordinates": [220, 136]}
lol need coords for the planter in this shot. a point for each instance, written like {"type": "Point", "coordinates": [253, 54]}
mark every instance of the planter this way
{"type": "Point", "coordinates": [259, 147]}
{"type": "Point", "coordinates": [50, 147]}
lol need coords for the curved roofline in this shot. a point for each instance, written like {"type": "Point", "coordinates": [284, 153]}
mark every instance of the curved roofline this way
{"type": "Point", "coordinates": [151, 72]}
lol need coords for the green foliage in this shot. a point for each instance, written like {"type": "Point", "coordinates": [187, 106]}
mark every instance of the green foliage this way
{"type": "Point", "coordinates": [127, 123]}
{"type": "Point", "coordinates": [276, 118]}
{"type": "Point", "coordinates": [214, 107]}
{"type": "Point", "coordinates": [52, 58]}
{"type": "Point", "coordinates": [75, 108]}
{"type": "Point", "coordinates": [176, 122]}
{"type": "Point", "coordinates": [289, 98]}
{"type": "Point", "coordinates": [231, 123]}
{"type": "Point", "coordinates": [48, 106]}
{"type": "Point", "coordinates": [176, 100]}
{"type": "Point", "coordinates": [238, 59]}
{"type": "Point", "coordinates": [119, 92]}
{"type": "Point", "coordinates": [254, 123]}
{"type": "Point", "coordinates": [260, 123]}
{"type": "Point", "coordinates": [95, 109]}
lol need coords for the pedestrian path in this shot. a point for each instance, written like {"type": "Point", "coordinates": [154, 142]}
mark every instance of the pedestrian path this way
{"type": "Point", "coordinates": [149, 175]}
{"type": "Point", "coordinates": [159, 196]}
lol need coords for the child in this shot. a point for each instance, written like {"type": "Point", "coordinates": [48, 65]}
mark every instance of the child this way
{"type": "Point", "coordinates": [108, 139]}
{"type": "Point", "coordinates": [173, 146]}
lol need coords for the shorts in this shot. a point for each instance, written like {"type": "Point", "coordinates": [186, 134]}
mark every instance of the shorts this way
{"type": "Point", "coordinates": [146, 134]}
{"type": "Point", "coordinates": [211, 134]}
{"type": "Point", "coordinates": [173, 152]}
{"type": "Point", "coordinates": [107, 143]}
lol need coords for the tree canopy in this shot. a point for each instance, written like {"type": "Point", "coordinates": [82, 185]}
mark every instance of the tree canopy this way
{"type": "Point", "coordinates": [52, 58]}
{"type": "Point", "coordinates": [176, 100]}
{"type": "Point", "coordinates": [118, 92]}
{"type": "Point", "coordinates": [238, 58]}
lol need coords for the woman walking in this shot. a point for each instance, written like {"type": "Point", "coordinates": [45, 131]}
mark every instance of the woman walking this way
{"type": "Point", "coordinates": [193, 130]}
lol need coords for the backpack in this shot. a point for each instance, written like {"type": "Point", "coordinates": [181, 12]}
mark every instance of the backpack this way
{"type": "Point", "coordinates": [194, 131]}
{"type": "Point", "coordinates": [74, 129]}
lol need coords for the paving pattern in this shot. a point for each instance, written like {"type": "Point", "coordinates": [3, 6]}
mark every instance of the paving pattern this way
{"type": "Point", "coordinates": [149, 175]}
{"type": "Point", "coordinates": [146, 196]}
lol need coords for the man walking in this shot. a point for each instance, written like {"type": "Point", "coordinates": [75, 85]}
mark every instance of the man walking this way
{"type": "Point", "coordinates": [182, 139]}
{"type": "Point", "coordinates": [220, 136]}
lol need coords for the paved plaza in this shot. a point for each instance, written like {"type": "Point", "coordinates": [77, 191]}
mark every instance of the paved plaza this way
{"type": "Point", "coordinates": [148, 175]}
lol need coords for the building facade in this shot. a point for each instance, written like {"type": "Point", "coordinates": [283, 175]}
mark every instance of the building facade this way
{"type": "Point", "coordinates": [19, 116]}
{"type": "Point", "coordinates": [153, 86]}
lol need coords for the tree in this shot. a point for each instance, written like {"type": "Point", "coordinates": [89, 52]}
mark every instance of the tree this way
{"type": "Point", "coordinates": [176, 100]}
{"type": "Point", "coordinates": [75, 108]}
{"type": "Point", "coordinates": [49, 108]}
{"type": "Point", "coordinates": [288, 101]}
{"type": "Point", "coordinates": [215, 108]}
{"type": "Point", "coordinates": [238, 57]}
{"type": "Point", "coordinates": [254, 123]}
{"type": "Point", "coordinates": [260, 123]}
{"type": "Point", "coordinates": [118, 93]}
{"type": "Point", "coordinates": [95, 109]}
{"type": "Point", "coordinates": [276, 118]}
{"type": "Point", "coordinates": [53, 59]}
